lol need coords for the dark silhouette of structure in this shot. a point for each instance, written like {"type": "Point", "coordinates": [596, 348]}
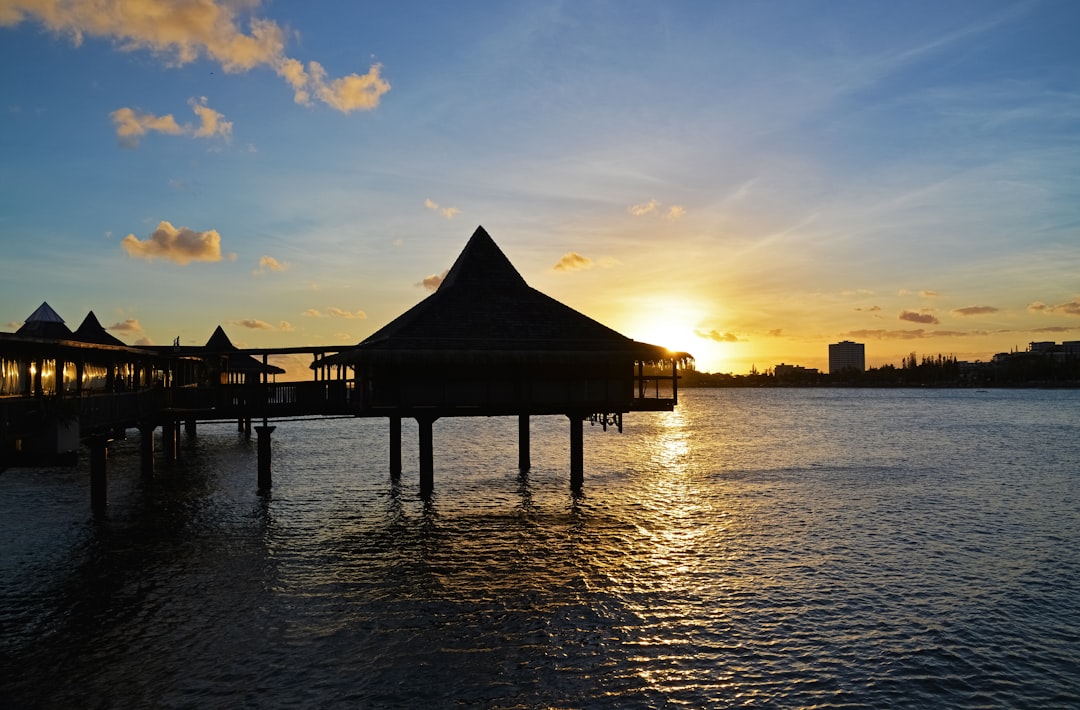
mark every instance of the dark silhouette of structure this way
{"type": "Point", "coordinates": [487, 344]}
{"type": "Point", "coordinates": [484, 344]}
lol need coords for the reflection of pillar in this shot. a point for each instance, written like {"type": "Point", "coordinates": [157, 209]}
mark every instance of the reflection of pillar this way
{"type": "Point", "coordinates": [99, 457]}
{"type": "Point", "coordinates": [427, 456]}
{"type": "Point", "coordinates": [146, 448]}
{"type": "Point", "coordinates": [395, 447]}
{"type": "Point", "coordinates": [577, 451]}
{"type": "Point", "coordinates": [264, 455]}
{"type": "Point", "coordinates": [169, 429]}
{"type": "Point", "coordinates": [524, 461]}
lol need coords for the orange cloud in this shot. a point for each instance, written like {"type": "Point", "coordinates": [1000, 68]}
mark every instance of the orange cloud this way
{"type": "Point", "coordinates": [128, 326]}
{"type": "Point", "coordinates": [572, 261]}
{"type": "Point", "coordinates": [1069, 308]}
{"type": "Point", "coordinates": [342, 313]}
{"type": "Point", "coordinates": [923, 317]}
{"type": "Point", "coordinates": [253, 323]}
{"type": "Point", "coordinates": [183, 32]}
{"type": "Point", "coordinates": [718, 336]}
{"type": "Point", "coordinates": [181, 245]}
{"type": "Point", "coordinates": [975, 310]}
{"type": "Point", "coordinates": [431, 283]}
{"type": "Point", "coordinates": [269, 263]}
{"type": "Point", "coordinates": [132, 125]}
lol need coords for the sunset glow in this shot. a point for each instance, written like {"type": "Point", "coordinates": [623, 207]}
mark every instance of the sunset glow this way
{"type": "Point", "coordinates": [746, 182]}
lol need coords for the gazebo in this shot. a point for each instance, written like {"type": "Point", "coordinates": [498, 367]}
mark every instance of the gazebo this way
{"type": "Point", "coordinates": [487, 344]}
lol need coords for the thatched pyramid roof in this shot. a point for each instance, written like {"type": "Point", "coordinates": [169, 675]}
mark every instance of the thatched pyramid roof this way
{"type": "Point", "coordinates": [220, 344]}
{"type": "Point", "coordinates": [91, 331]}
{"type": "Point", "coordinates": [45, 323]}
{"type": "Point", "coordinates": [484, 305]}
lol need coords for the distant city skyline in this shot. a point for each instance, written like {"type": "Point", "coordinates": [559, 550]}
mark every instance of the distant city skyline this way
{"type": "Point", "coordinates": [746, 182]}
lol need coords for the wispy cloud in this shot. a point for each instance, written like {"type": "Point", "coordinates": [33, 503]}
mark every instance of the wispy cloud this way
{"type": "Point", "coordinates": [1069, 308]}
{"type": "Point", "coordinates": [182, 32]}
{"type": "Point", "coordinates": [342, 313]}
{"type": "Point", "coordinates": [654, 207]}
{"type": "Point", "coordinates": [131, 325]}
{"type": "Point", "coordinates": [919, 317]}
{"type": "Point", "coordinates": [975, 310]}
{"type": "Point", "coordinates": [286, 327]}
{"type": "Point", "coordinates": [335, 312]}
{"type": "Point", "coordinates": [916, 334]}
{"type": "Point", "coordinates": [448, 212]}
{"type": "Point", "coordinates": [252, 323]}
{"type": "Point", "coordinates": [132, 125]}
{"type": "Point", "coordinates": [181, 246]}
{"type": "Point", "coordinates": [719, 337]}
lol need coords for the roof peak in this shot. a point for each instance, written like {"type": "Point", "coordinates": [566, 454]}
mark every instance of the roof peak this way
{"type": "Point", "coordinates": [44, 314]}
{"type": "Point", "coordinates": [482, 265]}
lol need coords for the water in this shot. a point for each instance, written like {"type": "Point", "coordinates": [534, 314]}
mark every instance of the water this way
{"type": "Point", "coordinates": [763, 548]}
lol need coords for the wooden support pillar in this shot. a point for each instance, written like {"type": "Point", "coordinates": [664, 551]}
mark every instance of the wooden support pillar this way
{"type": "Point", "coordinates": [265, 480]}
{"type": "Point", "coordinates": [395, 448]}
{"type": "Point", "coordinates": [427, 456]}
{"type": "Point", "coordinates": [577, 451]}
{"type": "Point", "coordinates": [146, 448]}
{"type": "Point", "coordinates": [169, 430]}
{"type": "Point", "coordinates": [524, 461]}
{"type": "Point", "coordinates": [99, 485]}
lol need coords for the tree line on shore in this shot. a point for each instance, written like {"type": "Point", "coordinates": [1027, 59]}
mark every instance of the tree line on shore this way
{"type": "Point", "coordinates": [1024, 369]}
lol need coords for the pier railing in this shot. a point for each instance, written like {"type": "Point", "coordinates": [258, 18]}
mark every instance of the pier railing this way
{"type": "Point", "coordinates": [286, 399]}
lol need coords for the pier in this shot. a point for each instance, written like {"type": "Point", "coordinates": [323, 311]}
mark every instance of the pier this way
{"type": "Point", "coordinates": [484, 344]}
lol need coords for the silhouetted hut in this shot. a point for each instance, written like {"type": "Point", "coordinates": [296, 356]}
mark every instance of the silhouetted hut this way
{"type": "Point", "coordinates": [91, 331]}
{"type": "Point", "coordinates": [45, 323]}
{"type": "Point", "coordinates": [487, 344]}
{"type": "Point", "coordinates": [229, 365]}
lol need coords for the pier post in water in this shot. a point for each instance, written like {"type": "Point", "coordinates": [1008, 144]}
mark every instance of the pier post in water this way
{"type": "Point", "coordinates": [577, 451]}
{"type": "Point", "coordinates": [146, 448]}
{"type": "Point", "coordinates": [427, 456]}
{"type": "Point", "coordinates": [190, 427]}
{"type": "Point", "coordinates": [99, 484]}
{"type": "Point", "coordinates": [169, 431]}
{"type": "Point", "coordinates": [524, 461]}
{"type": "Point", "coordinates": [395, 448]}
{"type": "Point", "coordinates": [264, 431]}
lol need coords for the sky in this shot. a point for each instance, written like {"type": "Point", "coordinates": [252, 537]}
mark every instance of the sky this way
{"type": "Point", "coordinates": [744, 181]}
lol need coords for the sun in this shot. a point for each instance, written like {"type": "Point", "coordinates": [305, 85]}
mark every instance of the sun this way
{"type": "Point", "coordinates": [676, 324]}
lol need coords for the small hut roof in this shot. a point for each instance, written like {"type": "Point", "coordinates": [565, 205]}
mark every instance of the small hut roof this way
{"type": "Point", "coordinates": [238, 361]}
{"type": "Point", "coordinates": [484, 305]}
{"type": "Point", "coordinates": [45, 323]}
{"type": "Point", "coordinates": [91, 331]}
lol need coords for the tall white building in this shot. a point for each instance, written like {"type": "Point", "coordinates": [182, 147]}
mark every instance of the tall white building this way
{"type": "Point", "coordinates": [846, 355]}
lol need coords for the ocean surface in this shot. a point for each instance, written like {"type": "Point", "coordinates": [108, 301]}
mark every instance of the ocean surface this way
{"type": "Point", "coordinates": [754, 548]}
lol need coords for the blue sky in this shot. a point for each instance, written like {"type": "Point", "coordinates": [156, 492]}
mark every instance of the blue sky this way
{"type": "Point", "coordinates": [745, 181]}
